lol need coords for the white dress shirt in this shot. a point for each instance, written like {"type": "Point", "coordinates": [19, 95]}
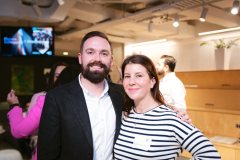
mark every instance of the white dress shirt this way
{"type": "Point", "coordinates": [173, 90]}
{"type": "Point", "coordinates": [103, 122]}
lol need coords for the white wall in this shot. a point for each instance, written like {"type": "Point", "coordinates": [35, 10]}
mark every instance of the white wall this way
{"type": "Point", "coordinates": [193, 57]}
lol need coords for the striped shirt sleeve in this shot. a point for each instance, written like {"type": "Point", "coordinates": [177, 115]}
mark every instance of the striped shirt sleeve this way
{"type": "Point", "coordinates": [192, 140]}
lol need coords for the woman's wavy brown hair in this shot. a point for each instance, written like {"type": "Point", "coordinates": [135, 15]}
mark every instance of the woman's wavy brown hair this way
{"type": "Point", "coordinates": [149, 65]}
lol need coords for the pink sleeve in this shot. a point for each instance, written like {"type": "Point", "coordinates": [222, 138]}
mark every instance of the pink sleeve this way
{"type": "Point", "coordinates": [23, 126]}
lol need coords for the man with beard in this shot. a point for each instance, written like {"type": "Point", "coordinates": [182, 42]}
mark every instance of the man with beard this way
{"type": "Point", "coordinates": [170, 85]}
{"type": "Point", "coordinates": [80, 120]}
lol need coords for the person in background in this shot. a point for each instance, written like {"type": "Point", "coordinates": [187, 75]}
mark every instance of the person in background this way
{"type": "Point", "coordinates": [9, 154]}
{"type": "Point", "coordinates": [23, 124]}
{"type": "Point", "coordinates": [150, 130]}
{"type": "Point", "coordinates": [55, 71]}
{"type": "Point", "coordinates": [68, 74]}
{"type": "Point", "coordinates": [170, 85]}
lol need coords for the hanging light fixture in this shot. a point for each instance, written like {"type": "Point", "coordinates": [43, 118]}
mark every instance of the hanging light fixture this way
{"type": "Point", "coordinates": [235, 7]}
{"type": "Point", "coordinates": [176, 21]}
{"type": "Point", "coordinates": [203, 14]}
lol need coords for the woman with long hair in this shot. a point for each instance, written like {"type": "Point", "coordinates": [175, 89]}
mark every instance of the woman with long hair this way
{"type": "Point", "coordinates": [150, 129]}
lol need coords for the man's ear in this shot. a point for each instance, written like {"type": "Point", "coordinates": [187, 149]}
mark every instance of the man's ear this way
{"type": "Point", "coordinates": [112, 62]}
{"type": "Point", "coordinates": [166, 67]}
{"type": "Point", "coordinates": [79, 58]}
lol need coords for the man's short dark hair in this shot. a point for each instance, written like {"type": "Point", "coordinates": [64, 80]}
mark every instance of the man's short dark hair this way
{"type": "Point", "coordinates": [94, 34]}
{"type": "Point", "coordinates": [170, 61]}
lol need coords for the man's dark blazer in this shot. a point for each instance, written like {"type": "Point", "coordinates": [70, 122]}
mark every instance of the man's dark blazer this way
{"type": "Point", "coordinates": [65, 130]}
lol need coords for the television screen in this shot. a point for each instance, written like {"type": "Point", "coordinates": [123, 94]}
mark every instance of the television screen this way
{"type": "Point", "coordinates": [27, 41]}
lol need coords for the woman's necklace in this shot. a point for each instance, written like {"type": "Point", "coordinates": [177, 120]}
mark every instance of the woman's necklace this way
{"type": "Point", "coordinates": [145, 110]}
{"type": "Point", "coordinates": [137, 117]}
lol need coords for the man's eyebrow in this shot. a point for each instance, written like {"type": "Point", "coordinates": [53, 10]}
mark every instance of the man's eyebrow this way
{"type": "Point", "coordinates": [89, 49]}
{"type": "Point", "coordinates": [105, 50]}
{"type": "Point", "coordinates": [102, 50]}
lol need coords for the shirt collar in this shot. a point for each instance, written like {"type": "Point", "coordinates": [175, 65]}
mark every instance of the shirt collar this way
{"type": "Point", "coordinates": [105, 90]}
{"type": "Point", "coordinates": [167, 76]}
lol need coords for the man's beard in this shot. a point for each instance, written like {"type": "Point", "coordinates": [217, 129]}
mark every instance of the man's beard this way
{"type": "Point", "coordinates": [95, 76]}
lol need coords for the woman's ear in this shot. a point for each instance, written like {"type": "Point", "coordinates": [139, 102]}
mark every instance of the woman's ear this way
{"type": "Point", "coordinates": [153, 82]}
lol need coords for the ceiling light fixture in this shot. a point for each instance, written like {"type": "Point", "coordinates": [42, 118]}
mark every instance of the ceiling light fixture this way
{"type": "Point", "coordinates": [203, 14]}
{"type": "Point", "coordinates": [218, 31]}
{"type": "Point", "coordinates": [150, 26]}
{"type": "Point", "coordinates": [176, 21]}
{"type": "Point", "coordinates": [148, 42]}
{"type": "Point", "coordinates": [235, 7]}
{"type": "Point", "coordinates": [61, 2]}
{"type": "Point", "coordinates": [37, 10]}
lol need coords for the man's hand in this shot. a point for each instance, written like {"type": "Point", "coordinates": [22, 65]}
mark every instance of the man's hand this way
{"type": "Point", "coordinates": [182, 114]}
{"type": "Point", "coordinates": [2, 130]}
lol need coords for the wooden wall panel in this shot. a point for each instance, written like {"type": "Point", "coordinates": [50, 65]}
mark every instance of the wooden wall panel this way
{"type": "Point", "coordinates": [212, 123]}
{"type": "Point", "coordinates": [213, 98]}
{"type": "Point", "coordinates": [211, 79]}
{"type": "Point", "coordinates": [237, 154]}
{"type": "Point", "coordinates": [226, 153]}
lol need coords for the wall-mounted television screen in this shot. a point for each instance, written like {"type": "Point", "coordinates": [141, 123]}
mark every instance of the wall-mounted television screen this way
{"type": "Point", "coordinates": [27, 41]}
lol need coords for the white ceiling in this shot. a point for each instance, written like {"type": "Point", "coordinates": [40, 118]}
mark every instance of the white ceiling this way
{"type": "Point", "coordinates": [122, 20]}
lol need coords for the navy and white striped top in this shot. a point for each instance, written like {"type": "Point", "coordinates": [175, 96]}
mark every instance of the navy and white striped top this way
{"type": "Point", "coordinates": [159, 135]}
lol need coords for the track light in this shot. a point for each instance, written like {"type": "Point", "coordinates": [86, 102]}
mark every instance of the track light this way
{"type": "Point", "coordinates": [203, 14]}
{"type": "Point", "coordinates": [150, 26]}
{"type": "Point", "coordinates": [61, 2]}
{"type": "Point", "coordinates": [235, 7]}
{"type": "Point", "coordinates": [176, 21]}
